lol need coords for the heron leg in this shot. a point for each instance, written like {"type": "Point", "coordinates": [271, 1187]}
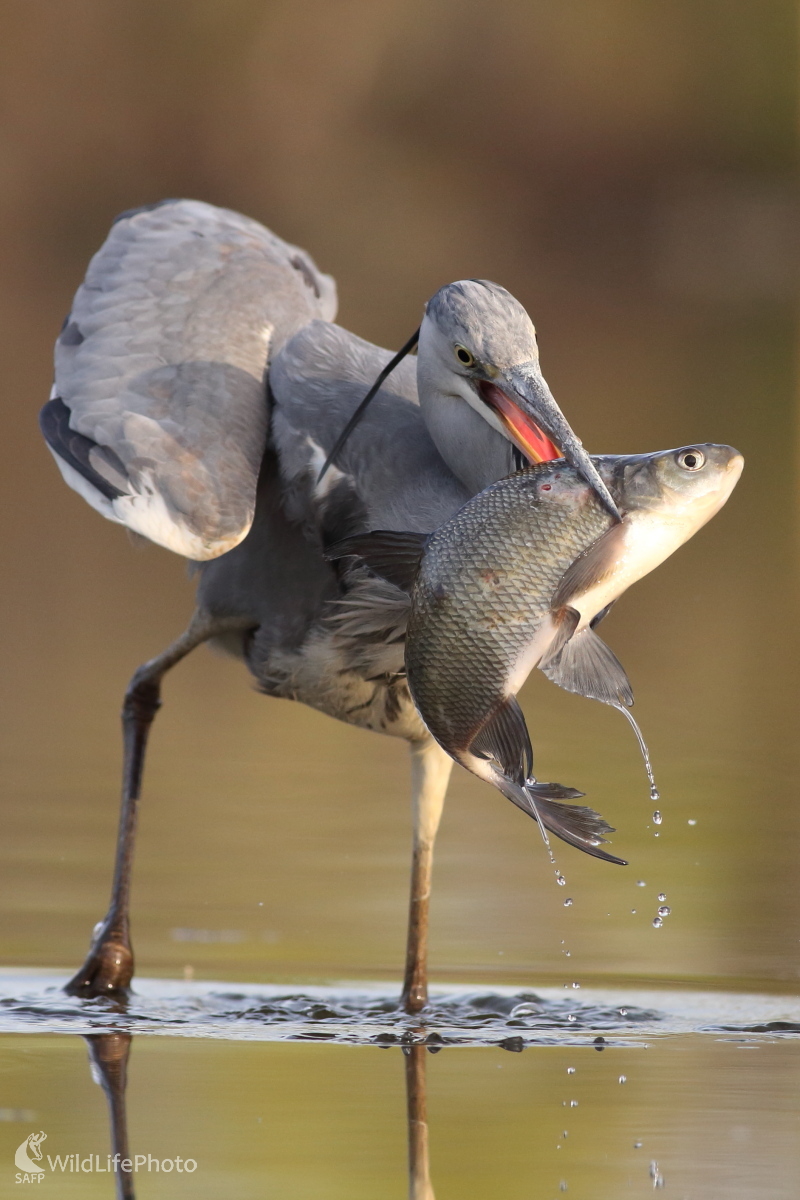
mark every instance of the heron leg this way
{"type": "Point", "coordinates": [430, 774]}
{"type": "Point", "coordinates": [108, 968]}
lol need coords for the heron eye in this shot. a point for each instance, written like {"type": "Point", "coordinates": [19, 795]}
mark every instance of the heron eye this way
{"type": "Point", "coordinates": [691, 460]}
{"type": "Point", "coordinates": [463, 355]}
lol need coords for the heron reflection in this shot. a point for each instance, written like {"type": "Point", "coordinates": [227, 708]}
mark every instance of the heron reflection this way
{"type": "Point", "coordinates": [108, 1057]}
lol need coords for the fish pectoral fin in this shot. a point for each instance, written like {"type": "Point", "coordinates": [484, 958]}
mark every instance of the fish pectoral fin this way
{"type": "Point", "coordinates": [566, 621]}
{"type": "Point", "coordinates": [587, 666]}
{"type": "Point", "coordinates": [576, 824]}
{"type": "Point", "coordinates": [393, 555]}
{"type": "Point", "coordinates": [504, 740]}
{"type": "Point", "coordinates": [591, 566]}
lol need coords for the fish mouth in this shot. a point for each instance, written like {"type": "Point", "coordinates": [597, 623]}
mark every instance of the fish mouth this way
{"type": "Point", "coordinates": [533, 422]}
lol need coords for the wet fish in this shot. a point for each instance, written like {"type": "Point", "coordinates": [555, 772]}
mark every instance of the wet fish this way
{"type": "Point", "coordinates": [519, 578]}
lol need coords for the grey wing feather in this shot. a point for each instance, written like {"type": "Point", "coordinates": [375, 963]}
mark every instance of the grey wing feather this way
{"type": "Point", "coordinates": [389, 474]}
{"type": "Point", "coordinates": [161, 366]}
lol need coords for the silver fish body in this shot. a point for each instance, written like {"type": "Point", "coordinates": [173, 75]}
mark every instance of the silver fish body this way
{"type": "Point", "coordinates": [518, 578]}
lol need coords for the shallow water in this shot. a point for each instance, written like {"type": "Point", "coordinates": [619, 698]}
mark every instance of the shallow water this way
{"type": "Point", "coordinates": [495, 1093]}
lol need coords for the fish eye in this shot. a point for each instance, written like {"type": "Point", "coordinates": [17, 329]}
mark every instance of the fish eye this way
{"type": "Point", "coordinates": [463, 355]}
{"type": "Point", "coordinates": [691, 460]}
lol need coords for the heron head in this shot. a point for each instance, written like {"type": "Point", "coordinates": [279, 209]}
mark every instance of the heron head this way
{"type": "Point", "coordinates": [477, 344]}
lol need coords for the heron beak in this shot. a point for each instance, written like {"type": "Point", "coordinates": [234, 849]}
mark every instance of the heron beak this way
{"type": "Point", "coordinates": [536, 425]}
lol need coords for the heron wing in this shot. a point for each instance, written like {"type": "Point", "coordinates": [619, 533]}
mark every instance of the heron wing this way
{"type": "Point", "coordinates": [389, 474]}
{"type": "Point", "coordinates": [159, 414]}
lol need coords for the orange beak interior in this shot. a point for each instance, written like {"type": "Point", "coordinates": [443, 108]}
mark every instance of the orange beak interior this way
{"type": "Point", "coordinates": [524, 433]}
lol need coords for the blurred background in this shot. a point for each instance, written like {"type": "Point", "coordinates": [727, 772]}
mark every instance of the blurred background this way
{"type": "Point", "coordinates": [629, 172]}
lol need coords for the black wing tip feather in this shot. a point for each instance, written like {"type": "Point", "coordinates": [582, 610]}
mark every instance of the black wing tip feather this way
{"type": "Point", "coordinates": [392, 554]}
{"type": "Point", "coordinates": [73, 448]}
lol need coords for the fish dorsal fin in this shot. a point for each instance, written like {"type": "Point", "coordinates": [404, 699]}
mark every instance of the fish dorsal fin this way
{"type": "Point", "coordinates": [586, 665]}
{"type": "Point", "coordinates": [504, 740]}
{"type": "Point", "coordinates": [392, 555]}
{"type": "Point", "coordinates": [591, 566]}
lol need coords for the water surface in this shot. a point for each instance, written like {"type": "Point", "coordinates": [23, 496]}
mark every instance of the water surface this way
{"type": "Point", "coordinates": [331, 1092]}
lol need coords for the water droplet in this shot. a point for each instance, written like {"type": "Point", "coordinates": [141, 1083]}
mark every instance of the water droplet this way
{"type": "Point", "coordinates": [654, 793]}
{"type": "Point", "coordinates": [570, 1016]}
{"type": "Point", "coordinates": [570, 1070]}
{"type": "Point", "coordinates": [640, 883]}
{"type": "Point", "coordinates": [656, 1176]}
{"type": "Point", "coordinates": [576, 985]}
{"type": "Point", "coordinates": [568, 953]}
{"type": "Point", "coordinates": [573, 1103]}
{"type": "Point", "coordinates": [633, 910]}
{"type": "Point", "coordinates": [565, 1133]}
{"type": "Point", "coordinates": [662, 897]}
{"type": "Point", "coordinates": [657, 817]}
{"type": "Point", "coordinates": [560, 880]}
{"type": "Point", "coordinates": [562, 1187]}
{"type": "Point", "coordinates": [657, 922]}
{"type": "Point", "coordinates": [637, 1145]}
{"type": "Point", "coordinates": [691, 822]}
{"type": "Point", "coordinates": [623, 1012]}
{"type": "Point", "coordinates": [568, 902]}
{"type": "Point", "coordinates": [664, 910]}
{"type": "Point", "coordinates": [623, 1078]}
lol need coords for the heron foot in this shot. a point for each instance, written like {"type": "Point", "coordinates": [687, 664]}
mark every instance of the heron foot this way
{"type": "Point", "coordinates": [108, 968]}
{"type": "Point", "coordinates": [414, 997]}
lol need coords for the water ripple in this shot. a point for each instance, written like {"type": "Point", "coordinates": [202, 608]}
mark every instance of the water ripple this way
{"type": "Point", "coordinates": [369, 1014]}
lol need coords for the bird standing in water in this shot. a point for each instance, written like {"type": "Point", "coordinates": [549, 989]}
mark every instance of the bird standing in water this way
{"type": "Point", "coordinates": [201, 388]}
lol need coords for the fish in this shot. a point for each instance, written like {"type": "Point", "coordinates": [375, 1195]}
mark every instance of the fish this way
{"type": "Point", "coordinates": [519, 578]}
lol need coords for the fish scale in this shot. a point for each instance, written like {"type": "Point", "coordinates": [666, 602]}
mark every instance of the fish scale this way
{"type": "Point", "coordinates": [485, 586]}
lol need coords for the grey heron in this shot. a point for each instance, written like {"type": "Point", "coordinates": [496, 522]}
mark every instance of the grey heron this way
{"type": "Point", "coordinates": [200, 386]}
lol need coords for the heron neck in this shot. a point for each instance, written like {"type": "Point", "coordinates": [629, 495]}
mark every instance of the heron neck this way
{"type": "Point", "coordinates": [475, 452]}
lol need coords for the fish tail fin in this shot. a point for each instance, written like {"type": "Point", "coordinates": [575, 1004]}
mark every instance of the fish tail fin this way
{"type": "Point", "coordinates": [577, 824]}
{"type": "Point", "coordinates": [504, 749]}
